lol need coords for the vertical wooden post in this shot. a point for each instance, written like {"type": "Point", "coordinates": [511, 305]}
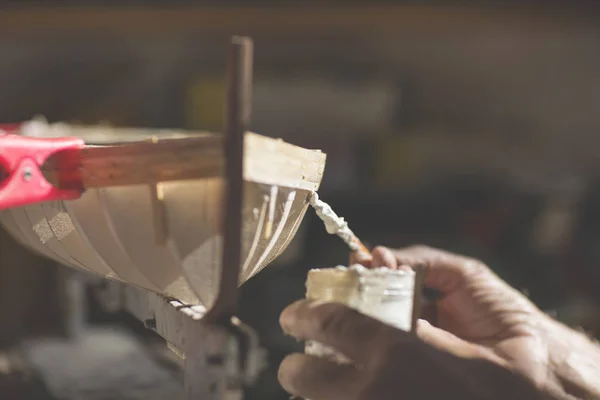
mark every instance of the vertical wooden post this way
{"type": "Point", "coordinates": [237, 120]}
{"type": "Point", "coordinates": [208, 358]}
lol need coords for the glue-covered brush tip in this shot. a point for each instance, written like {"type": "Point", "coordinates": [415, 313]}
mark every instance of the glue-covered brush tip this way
{"type": "Point", "coordinates": [313, 198]}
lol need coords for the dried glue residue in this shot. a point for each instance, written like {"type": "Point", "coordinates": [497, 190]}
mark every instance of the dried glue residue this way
{"type": "Point", "coordinates": [334, 224]}
{"type": "Point", "coordinates": [43, 231]}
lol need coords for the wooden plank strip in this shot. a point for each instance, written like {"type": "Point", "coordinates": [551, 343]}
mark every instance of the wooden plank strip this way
{"type": "Point", "coordinates": [275, 162]}
{"type": "Point", "coordinates": [137, 163]}
{"type": "Point", "coordinates": [127, 156]}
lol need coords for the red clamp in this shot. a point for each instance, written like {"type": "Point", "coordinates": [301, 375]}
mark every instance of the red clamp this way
{"type": "Point", "coordinates": [21, 158]}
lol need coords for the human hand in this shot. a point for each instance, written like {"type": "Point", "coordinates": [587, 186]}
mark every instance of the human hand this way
{"type": "Point", "coordinates": [493, 342]}
{"type": "Point", "coordinates": [479, 308]}
{"type": "Point", "coordinates": [389, 363]}
{"type": "Point", "coordinates": [476, 306]}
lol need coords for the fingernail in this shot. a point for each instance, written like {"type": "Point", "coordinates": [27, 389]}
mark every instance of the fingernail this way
{"type": "Point", "coordinates": [423, 322]}
{"type": "Point", "coordinates": [285, 320]}
{"type": "Point", "coordinates": [423, 327]}
{"type": "Point", "coordinates": [384, 257]}
{"type": "Point", "coordinates": [404, 267]}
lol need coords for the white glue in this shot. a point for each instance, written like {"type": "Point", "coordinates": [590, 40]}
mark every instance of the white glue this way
{"type": "Point", "coordinates": [334, 224]}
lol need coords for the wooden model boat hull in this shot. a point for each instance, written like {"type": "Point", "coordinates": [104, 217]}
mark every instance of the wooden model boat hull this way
{"type": "Point", "coordinates": [167, 238]}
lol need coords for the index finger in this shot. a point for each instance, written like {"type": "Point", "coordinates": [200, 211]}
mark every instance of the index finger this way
{"type": "Point", "coordinates": [444, 271]}
{"type": "Point", "coordinates": [355, 335]}
{"type": "Point", "coordinates": [360, 257]}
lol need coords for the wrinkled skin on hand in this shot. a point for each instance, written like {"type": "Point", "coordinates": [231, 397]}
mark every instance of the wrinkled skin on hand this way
{"type": "Point", "coordinates": [478, 307]}
{"type": "Point", "coordinates": [487, 341]}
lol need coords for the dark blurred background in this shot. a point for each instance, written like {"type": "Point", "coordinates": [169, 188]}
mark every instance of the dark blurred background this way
{"type": "Point", "coordinates": [466, 125]}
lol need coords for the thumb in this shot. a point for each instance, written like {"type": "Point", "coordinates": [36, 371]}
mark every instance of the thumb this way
{"type": "Point", "coordinates": [446, 341]}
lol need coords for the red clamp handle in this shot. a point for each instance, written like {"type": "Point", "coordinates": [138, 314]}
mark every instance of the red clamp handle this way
{"type": "Point", "coordinates": [21, 158]}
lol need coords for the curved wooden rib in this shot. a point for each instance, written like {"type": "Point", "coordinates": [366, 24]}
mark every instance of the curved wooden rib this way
{"type": "Point", "coordinates": [260, 222]}
{"type": "Point", "coordinates": [13, 227]}
{"type": "Point", "coordinates": [101, 239]}
{"type": "Point", "coordinates": [297, 214]}
{"type": "Point", "coordinates": [44, 230]}
{"type": "Point", "coordinates": [275, 236]}
{"type": "Point", "coordinates": [36, 234]}
{"type": "Point", "coordinates": [114, 231]}
{"type": "Point", "coordinates": [69, 238]}
{"type": "Point", "coordinates": [128, 210]}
